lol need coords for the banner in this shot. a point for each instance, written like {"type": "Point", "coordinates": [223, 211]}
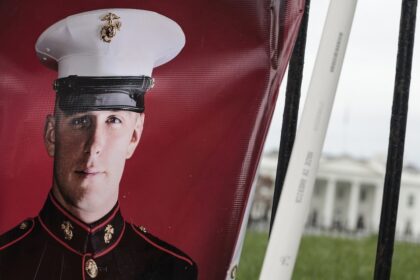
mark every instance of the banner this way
{"type": "Point", "coordinates": [206, 119]}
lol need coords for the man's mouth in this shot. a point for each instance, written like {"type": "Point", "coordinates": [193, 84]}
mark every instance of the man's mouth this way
{"type": "Point", "coordinates": [89, 172]}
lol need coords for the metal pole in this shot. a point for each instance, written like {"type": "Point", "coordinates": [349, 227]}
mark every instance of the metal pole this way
{"type": "Point", "coordinates": [394, 165]}
{"type": "Point", "coordinates": [291, 109]}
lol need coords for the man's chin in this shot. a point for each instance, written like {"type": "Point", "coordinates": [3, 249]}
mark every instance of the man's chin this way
{"type": "Point", "coordinates": [92, 197]}
{"type": "Point", "coordinates": [93, 188]}
{"type": "Point", "coordinates": [89, 189]}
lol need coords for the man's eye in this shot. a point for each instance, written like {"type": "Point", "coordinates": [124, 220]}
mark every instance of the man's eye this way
{"type": "Point", "coordinates": [83, 121]}
{"type": "Point", "coordinates": [114, 120]}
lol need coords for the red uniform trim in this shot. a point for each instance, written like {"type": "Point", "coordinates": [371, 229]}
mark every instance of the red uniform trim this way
{"type": "Point", "coordinates": [62, 210]}
{"type": "Point", "coordinates": [83, 264]}
{"type": "Point", "coordinates": [19, 238]}
{"type": "Point", "coordinates": [101, 225]}
{"type": "Point", "coordinates": [75, 220]}
{"type": "Point", "coordinates": [56, 238]}
{"type": "Point", "coordinates": [75, 251]}
{"type": "Point", "coordinates": [160, 247]}
{"type": "Point", "coordinates": [83, 267]}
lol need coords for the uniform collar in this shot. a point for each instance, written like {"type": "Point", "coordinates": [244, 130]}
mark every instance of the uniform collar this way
{"type": "Point", "coordinates": [94, 239]}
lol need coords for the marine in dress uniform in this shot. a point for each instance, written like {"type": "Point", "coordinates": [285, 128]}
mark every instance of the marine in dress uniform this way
{"type": "Point", "coordinates": [56, 245]}
{"type": "Point", "coordinates": [104, 60]}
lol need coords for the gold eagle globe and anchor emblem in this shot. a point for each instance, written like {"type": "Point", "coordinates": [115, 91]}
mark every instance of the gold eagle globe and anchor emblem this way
{"type": "Point", "coordinates": [109, 30]}
{"type": "Point", "coordinates": [109, 232]}
{"type": "Point", "coordinates": [67, 228]}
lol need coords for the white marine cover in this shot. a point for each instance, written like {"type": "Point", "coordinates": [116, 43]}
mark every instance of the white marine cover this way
{"type": "Point", "coordinates": [145, 40]}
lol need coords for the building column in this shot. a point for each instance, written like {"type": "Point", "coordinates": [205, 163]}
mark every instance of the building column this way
{"type": "Point", "coordinates": [352, 211]}
{"type": "Point", "coordinates": [328, 210]}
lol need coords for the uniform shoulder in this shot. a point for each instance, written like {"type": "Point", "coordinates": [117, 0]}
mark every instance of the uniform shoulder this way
{"type": "Point", "coordinates": [162, 245]}
{"type": "Point", "coordinates": [16, 234]}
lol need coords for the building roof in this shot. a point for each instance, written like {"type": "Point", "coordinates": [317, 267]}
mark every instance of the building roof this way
{"type": "Point", "coordinates": [345, 165]}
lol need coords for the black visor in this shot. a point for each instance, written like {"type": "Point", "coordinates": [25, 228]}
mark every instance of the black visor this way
{"type": "Point", "coordinates": [82, 93]}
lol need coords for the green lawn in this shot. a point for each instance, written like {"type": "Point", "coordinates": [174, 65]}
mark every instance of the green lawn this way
{"type": "Point", "coordinates": [327, 258]}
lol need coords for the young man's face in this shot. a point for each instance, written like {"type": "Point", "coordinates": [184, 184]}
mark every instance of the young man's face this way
{"type": "Point", "coordinates": [90, 150]}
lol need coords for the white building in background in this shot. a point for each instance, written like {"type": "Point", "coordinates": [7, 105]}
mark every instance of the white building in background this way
{"type": "Point", "coordinates": [347, 197]}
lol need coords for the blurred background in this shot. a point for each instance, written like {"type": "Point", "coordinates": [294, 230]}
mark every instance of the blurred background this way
{"type": "Point", "coordinates": [341, 229]}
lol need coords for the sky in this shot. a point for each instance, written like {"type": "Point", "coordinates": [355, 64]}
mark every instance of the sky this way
{"type": "Point", "coordinates": [360, 120]}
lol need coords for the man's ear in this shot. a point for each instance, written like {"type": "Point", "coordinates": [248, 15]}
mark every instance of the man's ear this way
{"type": "Point", "coordinates": [49, 135]}
{"type": "Point", "coordinates": [135, 137]}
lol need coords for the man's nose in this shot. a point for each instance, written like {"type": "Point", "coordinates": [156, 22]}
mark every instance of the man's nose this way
{"type": "Point", "coordinates": [95, 141]}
